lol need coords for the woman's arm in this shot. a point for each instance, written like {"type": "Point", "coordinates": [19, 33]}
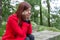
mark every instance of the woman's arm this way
{"type": "Point", "coordinates": [14, 25]}
{"type": "Point", "coordinates": [29, 29]}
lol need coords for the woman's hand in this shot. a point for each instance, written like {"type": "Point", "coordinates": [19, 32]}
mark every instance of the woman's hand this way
{"type": "Point", "coordinates": [26, 15]}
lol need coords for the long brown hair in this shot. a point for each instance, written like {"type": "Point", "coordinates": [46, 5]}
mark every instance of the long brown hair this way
{"type": "Point", "coordinates": [22, 6]}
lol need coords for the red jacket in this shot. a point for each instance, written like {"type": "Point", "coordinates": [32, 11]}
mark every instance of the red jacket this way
{"type": "Point", "coordinates": [14, 31]}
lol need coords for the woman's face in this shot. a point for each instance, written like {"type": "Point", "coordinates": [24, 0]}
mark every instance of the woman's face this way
{"type": "Point", "coordinates": [27, 14]}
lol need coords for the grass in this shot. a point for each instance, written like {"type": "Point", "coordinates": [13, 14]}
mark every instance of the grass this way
{"type": "Point", "coordinates": [42, 28]}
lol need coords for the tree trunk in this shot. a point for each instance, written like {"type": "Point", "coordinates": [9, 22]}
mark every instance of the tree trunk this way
{"type": "Point", "coordinates": [41, 23]}
{"type": "Point", "coordinates": [48, 5]}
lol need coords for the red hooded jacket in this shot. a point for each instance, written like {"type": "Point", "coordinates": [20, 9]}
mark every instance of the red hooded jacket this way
{"type": "Point", "coordinates": [14, 31]}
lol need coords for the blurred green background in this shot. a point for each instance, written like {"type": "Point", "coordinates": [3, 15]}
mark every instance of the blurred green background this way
{"type": "Point", "coordinates": [45, 14]}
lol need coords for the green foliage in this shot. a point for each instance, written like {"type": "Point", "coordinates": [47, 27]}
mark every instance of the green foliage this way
{"type": "Point", "coordinates": [42, 28]}
{"type": "Point", "coordinates": [1, 31]}
{"type": "Point", "coordinates": [3, 25]}
{"type": "Point", "coordinates": [6, 9]}
{"type": "Point", "coordinates": [34, 25]}
{"type": "Point", "coordinates": [2, 28]}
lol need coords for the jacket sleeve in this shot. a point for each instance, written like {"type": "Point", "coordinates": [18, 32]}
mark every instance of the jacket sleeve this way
{"type": "Point", "coordinates": [29, 29]}
{"type": "Point", "coordinates": [16, 27]}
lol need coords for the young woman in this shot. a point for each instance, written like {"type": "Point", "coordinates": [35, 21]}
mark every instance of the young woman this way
{"type": "Point", "coordinates": [18, 25]}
